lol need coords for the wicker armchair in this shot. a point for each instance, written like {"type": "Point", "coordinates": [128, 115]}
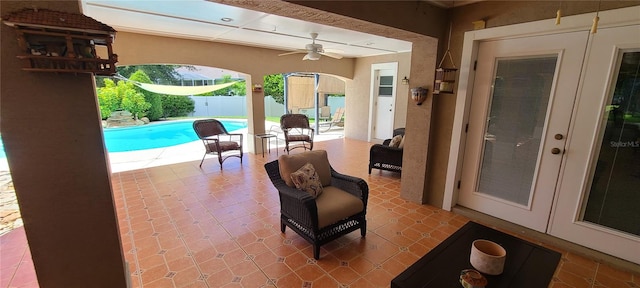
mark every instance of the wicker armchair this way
{"type": "Point", "coordinates": [217, 141]}
{"type": "Point", "coordinates": [384, 157]}
{"type": "Point", "coordinates": [338, 210]}
{"type": "Point", "coordinates": [296, 130]}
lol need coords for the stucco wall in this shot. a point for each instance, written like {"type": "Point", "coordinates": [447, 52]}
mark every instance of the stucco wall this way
{"type": "Point", "coordinates": [360, 92]}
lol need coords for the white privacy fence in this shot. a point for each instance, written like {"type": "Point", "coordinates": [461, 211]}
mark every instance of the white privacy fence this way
{"type": "Point", "coordinates": [237, 106]}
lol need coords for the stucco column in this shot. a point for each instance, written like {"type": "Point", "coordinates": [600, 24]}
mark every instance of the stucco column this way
{"type": "Point", "coordinates": [255, 112]}
{"type": "Point", "coordinates": [418, 128]}
{"type": "Point", "coordinates": [51, 131]}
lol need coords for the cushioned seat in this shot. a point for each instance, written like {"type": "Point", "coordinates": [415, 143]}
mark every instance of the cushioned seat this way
{"type": "Point", "coordinates": [386, 157]}
{"type": "Point", "coordinates": [334, 204]}
{"type": "Point", "coordinates": [217, 141]}
{"type": "Point", "coordinates": [338, 209]}
{"type": "Point", "coordinates": [297, 131]}
{"type": "Point", "coordinates": [224, 145]}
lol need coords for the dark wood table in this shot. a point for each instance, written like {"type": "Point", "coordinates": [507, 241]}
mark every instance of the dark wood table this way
{"type": "Point", "coordinates": [527, 265]}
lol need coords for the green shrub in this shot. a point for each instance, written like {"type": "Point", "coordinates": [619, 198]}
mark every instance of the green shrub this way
{"type": "Point", "coordinates": [177, 106]}
{"type": "Point", "coordinates": [154, 99]}
{"type": "Point", "coordinates": [155, 110]}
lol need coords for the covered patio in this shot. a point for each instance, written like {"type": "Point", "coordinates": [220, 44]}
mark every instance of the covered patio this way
{"type": "Point", "coordinates": [182, 226]}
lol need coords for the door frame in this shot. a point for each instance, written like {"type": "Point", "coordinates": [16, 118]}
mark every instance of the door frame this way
{"type": "Point", "coordinates": [583, 22]}
{"type": "Point", "coordinates": [375, 68]}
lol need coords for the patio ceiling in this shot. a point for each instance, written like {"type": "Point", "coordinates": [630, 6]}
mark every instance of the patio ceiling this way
{"type": "Point", "coordinates": [209, 21]}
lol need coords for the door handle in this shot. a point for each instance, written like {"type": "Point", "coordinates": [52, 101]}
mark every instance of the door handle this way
{"type": "Point", "coordinates": [555, 151]}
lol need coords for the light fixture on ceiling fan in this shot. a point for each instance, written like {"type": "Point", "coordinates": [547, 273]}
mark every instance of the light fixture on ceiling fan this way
{"type": "Point", "coordinates": [313, 51]}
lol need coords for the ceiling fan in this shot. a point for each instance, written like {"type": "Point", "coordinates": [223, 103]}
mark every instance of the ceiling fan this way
{"type": "Point", "coordinates": [313, 51]}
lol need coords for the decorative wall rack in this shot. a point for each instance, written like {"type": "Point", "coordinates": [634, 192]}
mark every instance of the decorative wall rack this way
{"type": "Point", "coordinates": [54, 41]}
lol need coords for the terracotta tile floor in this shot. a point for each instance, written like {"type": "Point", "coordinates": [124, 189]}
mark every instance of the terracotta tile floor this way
{"type": "Point", "coordinates": [183, 226]}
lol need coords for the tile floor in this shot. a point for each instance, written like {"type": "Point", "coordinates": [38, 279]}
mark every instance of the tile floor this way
{"type": "Point", "coordinates": [183, 226]}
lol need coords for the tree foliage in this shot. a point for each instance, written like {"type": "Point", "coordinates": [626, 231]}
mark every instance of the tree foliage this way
{"type": "Point", "coordinates": [109, 98]}
{"type": "Point", "coordinates": [133, 101]}
{"type": "Point", "coordinates": [123, 95]}
{"type": "Point", "coordinates": [154, 99]}
{"type": "Point", "coordinates": [239, 88]}
{"type": "Point", "coordinates": [177, 106]}
{"type": "Point", "coordinates": [274, 86]}
{"type": "Point", "coordinates": [160, 74]}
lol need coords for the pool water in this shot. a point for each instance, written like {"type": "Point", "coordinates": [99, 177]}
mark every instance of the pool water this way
{"type": "Point", "coordinates": [154, 135]}
{"type": "Point", "coordinates": [157, 135]}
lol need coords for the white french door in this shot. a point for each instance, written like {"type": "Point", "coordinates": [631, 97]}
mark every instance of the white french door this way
{"type": "Point", "coordinates": [523, 97]}
{"type": "Point", "coordinates": [600, 183]}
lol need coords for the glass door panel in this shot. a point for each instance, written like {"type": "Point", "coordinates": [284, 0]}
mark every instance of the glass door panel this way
{"type": "Point", "coordinates": [614, 194]}
{"type": "Point", "coordinates": [514, 127]}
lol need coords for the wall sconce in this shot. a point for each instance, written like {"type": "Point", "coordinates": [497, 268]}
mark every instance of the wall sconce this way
{"type": "Point", "coordinates": [256, 88]}
{"type": "Point", "coordinates": [419, 94]}
{"type": "Point", "coordinates": [405, 80]}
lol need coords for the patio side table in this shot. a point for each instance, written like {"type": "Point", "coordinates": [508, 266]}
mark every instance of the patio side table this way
{"type": "Point", "coordinates": [268, 138]}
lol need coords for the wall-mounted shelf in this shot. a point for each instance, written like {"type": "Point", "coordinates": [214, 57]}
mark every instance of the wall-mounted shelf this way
{"type": "Point", "coordinates": [60, 42]}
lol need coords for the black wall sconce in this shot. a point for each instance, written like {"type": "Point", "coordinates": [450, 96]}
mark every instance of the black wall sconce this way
{"type": "Point", "coordinates": [405, 80]}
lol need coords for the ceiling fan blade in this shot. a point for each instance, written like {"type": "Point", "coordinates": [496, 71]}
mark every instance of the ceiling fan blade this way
{"type": "Point", "coordinates": [293, 52]}
{"type": "Point", "coordinates": [311, 56]}
{"type": "Point", "coordinates": [332, 55]}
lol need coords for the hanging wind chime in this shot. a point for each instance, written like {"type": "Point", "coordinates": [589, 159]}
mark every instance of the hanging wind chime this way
{"type": "Point", "coordinates": [445, 77]}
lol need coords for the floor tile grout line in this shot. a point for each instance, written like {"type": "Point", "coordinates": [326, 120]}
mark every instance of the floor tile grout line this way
{"type": "Point", "coordinates": [173, 224]}
{"type": "Point", "coordinates": [595, 275]}
{"type": "Point", "coordinates": [13, 277]}
{"type": "Point", "coordinates": [235, 240]}
{"type": "Point", "coordinates": [131, 237]}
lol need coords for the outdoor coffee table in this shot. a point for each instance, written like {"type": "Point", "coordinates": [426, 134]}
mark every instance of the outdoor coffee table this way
{"type": "Point", "coordinates": [527, 265]}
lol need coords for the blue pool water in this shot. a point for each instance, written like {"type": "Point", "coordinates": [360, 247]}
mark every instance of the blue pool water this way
{"type": "Point", "coordinates": [154, 135]}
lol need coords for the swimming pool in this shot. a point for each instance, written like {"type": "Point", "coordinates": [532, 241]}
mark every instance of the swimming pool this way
{"type": "Point", "coordinates": [157, 135]}
{"type": "Point", "coordinates": [153, 135]}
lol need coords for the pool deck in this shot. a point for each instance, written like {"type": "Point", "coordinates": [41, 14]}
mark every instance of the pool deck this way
{"type": "Point", "coordinates": [126, 161]}
{"type": "Point", "coordinates": [133, 160]}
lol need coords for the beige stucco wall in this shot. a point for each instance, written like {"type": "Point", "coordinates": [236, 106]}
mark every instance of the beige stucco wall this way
{"type": "Point", "coordinates": [360, 93]}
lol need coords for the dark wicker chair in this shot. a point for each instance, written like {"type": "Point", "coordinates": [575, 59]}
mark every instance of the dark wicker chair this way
{"type": "Point", "coordinates": [296, 130]}
{"type": "Point", "coordinates": [384, 157]}
{"type": "Point", "coordinates": [217, 141]}
{"type": "Point", "coordinates": [322, 219]}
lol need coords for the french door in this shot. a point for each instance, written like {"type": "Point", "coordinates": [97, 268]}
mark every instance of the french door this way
{"type": "Point", "coordinates": [523, 98]}
{"type": "Point", "coordinates": [600, 183]}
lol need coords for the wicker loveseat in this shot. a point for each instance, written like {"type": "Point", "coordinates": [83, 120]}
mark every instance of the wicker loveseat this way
{"type": "Point", "coordinates": [384, 157]}
{"type": "Point", "coordinates": [339, 209]}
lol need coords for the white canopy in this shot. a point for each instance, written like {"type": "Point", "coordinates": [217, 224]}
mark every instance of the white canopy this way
{"type": "Point", "coordinates": [181, 90]}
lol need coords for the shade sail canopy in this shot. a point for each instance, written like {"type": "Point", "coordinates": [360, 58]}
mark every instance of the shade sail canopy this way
{"type": "Point", "coordinates": [181, 90]}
